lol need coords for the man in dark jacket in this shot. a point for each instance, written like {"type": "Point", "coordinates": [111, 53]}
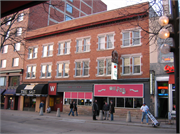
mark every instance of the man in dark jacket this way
{"type": "Point", "coordinates": [71, 109]}
{"type": "Point", "coordinates": [106, 111]}
{"type": "Point", "coordinates": [75, 107]}
{"type": "Point", "coordinates": [41, 105]}
{"type": "Point", "coordinates": [95, 109]}
{"type": "Point", "coordinates": [111, 111]}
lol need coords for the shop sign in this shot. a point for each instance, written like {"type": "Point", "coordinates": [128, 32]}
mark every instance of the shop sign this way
{"type": "Point", "coordinates": [27, 92]}
{"type": "Point", "coordinates": [169, 69]}
{"type": "Point", "coordinates": [52, 88]}
{"type": "Point", "coordinates": [119, 90]}
{"type": "Point", "coordinates": [113, 71]}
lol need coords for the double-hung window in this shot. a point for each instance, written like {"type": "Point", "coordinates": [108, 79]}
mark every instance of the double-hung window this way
{"type": "Point", "coordinates": [82, 68]}
{"type": "Point", "coordinates": [131, 64]}
{"type": "Point", "coordinates": [82, 45]}
{"type": "Point", "coordinates": [15, 62]}
{"type": "Point", "coordinates": [62, 69]}
{"type": "Point", "coordinates": [19, 31]}
{"type": "Point", "coordinates": [3, 63]}
{"type": "Point", "coordinates": [47, 50]}
{"type": "Point", "coordinates": [7, 35]}
{"type": "Point", "coordinates": [46, 70]}
{"type": "Point", "coordinates": [136, 38]}
{"type": "Point", "coordinates": [20, 17]}
{"type": "Point", "coordinates": [31, 72]}
{"type": "Point", "coordinates": [8, 21]}
{"type": "Point", "coordinates": [104, 66]}
{"type": "Point", "coordinates": [5, 49]}
{"type": "Point", "coordinates": [64, 48]}
{"type": "Point", "coordinates": [32, 52]}
{"type": "Point", "coordinates": [17, 46]}
{"type": "Point", "coordinates": [126, 39]}
{"type": "Point", "coordinates": [106, 41]}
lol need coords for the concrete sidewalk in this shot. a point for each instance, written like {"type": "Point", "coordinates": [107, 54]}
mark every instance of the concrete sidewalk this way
{"type": "Point", "coordinates": [117, 120]}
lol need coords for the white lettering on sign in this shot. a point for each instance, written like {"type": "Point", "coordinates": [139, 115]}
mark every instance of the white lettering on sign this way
{"type": "Point", "coordinates": [118, 89]}
{"type": "Point", "coordinates": [52, 88]}
{"type": "Point", "coordinates": [101, 90]}
{"type": "Point", "coordinates": [134, 90]}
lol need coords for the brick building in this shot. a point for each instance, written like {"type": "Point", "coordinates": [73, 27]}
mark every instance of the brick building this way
{"type": "Point", "coordinates": [12, 54]}
{"type": "Point", "coordinates": [72, 61]}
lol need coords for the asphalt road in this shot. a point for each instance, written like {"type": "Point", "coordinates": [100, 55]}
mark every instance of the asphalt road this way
{"type": "Point", "coordinates": [17, 122]}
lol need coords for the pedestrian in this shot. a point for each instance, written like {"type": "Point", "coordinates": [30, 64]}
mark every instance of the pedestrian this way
{"type": "Point", "coordinates": [71, 109]}
{"type": "Point", "coordinates": [75, 107]}
{"type": "Point", "coordinates": [144, 108]}
{"type": "Point", "coordinates": [111, 111]}
{"type": "Point", "coordinates": [95, 109]}
{"type": "Point", "coordinates": [41, 105]}
{"type": "Point", "coordinates": [48, 109]}
{"type": "Point", "coordinates": [106, 111]}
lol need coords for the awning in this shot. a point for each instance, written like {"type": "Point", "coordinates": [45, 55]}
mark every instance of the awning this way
{"type": "Point", "coordinates": [10, 92]}
{"type": "Point", "coordinates": [2, 91]}
{"type": "Point", "coordinates": [171, 79]}
{"type": "Point", "coordinates": [19, 88]}
{"type": "Point", "coordinates": [41, 89]}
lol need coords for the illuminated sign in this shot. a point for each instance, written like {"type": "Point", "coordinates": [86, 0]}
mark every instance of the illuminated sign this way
{"type": "Point", "coordinates": [169, 69]}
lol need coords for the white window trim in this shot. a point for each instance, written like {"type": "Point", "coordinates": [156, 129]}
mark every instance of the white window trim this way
{"type": "Point", "coordinates": [48, 63]}
{"type": "Point", "coordinates": [47, 44]}
{"type": "Point", "coordinates": [62, 62]}
{"type": "Point", "coordinates": [83, 38]}
{"type": "Point", "coordinates": [2, 65]}
{"type": "Point", "coordinates": [63, 41]}
{"type": "Point", "coordinates": [17, 63]}
{"type": "Point", "coordinates": [32, 52]}
{"type": "Point", "coordinates": [31, 65]}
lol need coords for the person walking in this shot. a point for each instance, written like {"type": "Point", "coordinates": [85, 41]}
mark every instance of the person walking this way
{"type": "Point", "coordinates": [71, 109]}
{"type": "Point", "coordinates": [75, 107]}
{"type": "Point", "coordinates": [106, 111]}
{"type": "Point", "coordinates": [95, 109]}
{"type": "Point", "coordinates": [41, 105]}
{"type": "Point", "coordinates": [111, 111]}
{"type": "Point", "coordinates": [144, 108]}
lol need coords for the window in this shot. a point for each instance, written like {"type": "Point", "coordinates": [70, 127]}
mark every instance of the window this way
{"type": "Point", "coordinates": [131, 38]}
{"type": "Point", "coordinates": [7, 35]}
{"type": "Point", "coordinates": [68, 18]}
{"type": "Point", "coordinates": [20, 17]}
{"type": "Point", "coordinates": [131, 65]}
{"type": "Point", "coordinates": [8, 21]}
{"type": "Point", "coordinates": [3, 63]}
{"type": "Point", "coordinates": [83, 45]}
{"type": "Point", "coordinates": [32, 53]}
{"type": "Point", "coordinates": [68, 8]}
{"type": "Point", "coordinates": [64, 48]}
{"type": "Point", "coordinates": [17, 47]}
{"type": "Point", "coordinates": [5, 49]}
{"type": "Point", "coordinates": [104, 66]}
{"type": "Point", "coordinates": [47, 50]}
{"type": "Point", "coordinates": [106, 41]}
{"type": "Point", "coordinates": [46, 70]}
{"type": "Point", "coordinates": [31, 71]}
{"type": "Point", "coordinates": [82, 65]}
{"type": "Point", "coordinates": [15, 62]}
{"type": "Point", "coordinates": [2, 82]}
{"type": "Point", "coordinates": [18, 31]}
{"type": "Point", "coordinates": [71, 0]}
{"type": "Point", "coordinates": [62, 69]}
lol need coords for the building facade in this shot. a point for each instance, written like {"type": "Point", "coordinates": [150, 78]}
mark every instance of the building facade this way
{"type": "Point", "coordinates": [74, 59]}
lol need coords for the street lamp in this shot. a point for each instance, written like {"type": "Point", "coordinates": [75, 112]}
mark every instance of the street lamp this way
{"type": "Point", "coordinates": [163, 21]}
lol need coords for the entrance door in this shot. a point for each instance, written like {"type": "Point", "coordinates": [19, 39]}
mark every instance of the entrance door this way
{"type": "Point", "coordinates": [163, 107]}
{"type": "Point", "coordinates": [58, 102]}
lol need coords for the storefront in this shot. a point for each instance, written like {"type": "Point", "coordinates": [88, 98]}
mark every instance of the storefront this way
{"type": "Point", "coordinates": [2, 90]}
{"type": "Point", "coordinates": [31, 95]}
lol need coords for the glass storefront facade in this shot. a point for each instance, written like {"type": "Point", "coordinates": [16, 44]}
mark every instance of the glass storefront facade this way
{"type": "Point", "coordinates": [29, 103]}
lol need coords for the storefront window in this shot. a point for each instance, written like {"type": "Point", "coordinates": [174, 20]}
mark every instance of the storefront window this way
{"type": "Point", "coordinates": [67, 101]}
{"type": "Point", "coordinates": [14, 81]}
{"type": "Point", "coordinates": [88, 102]}
{"type": "Point", "coordinates": [129, 102]}
{"type": "Point", "coordinates": [29, 102]}
{"type": "Point", "coordinates": [138, 102]}
{"type": "Point", "coordinates": [120, 102]}
{"type": "Point", "coordinates": [80, 101]}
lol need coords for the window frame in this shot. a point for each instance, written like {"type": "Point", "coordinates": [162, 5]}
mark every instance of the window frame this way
{"type": "Point", "coordinates": [19, 31]}
{"type": "Point", "coordinates": [17, 46]}
{"type": "Point", "coordinates": [31, 71]}
{"type": "Point", "coordinates": [46, 50]}
{"type": "Point", "coordinates": [64, 47]}
{"type": "Point", "coordinates": [31, 51]}
{"type": "Point", "coordinates": [105, 66]}
{"type": "Point", "coordinates": [45, 75]}
{"type": "Point", "coordinates": [3, 63]}
{"type": "Point", "coordinates": [82, 68]}
{"type": "Point", "coordinates": [67, 18]}
{"type": "Point", "coordinates": [69, 8]}
{"type": "Point", "coordinates": [20, 17]}
{"type": "Point", "coordinates": [83, 46]}
{"type": "Point", "coordinates": [14, 62]}
{"type": "Point", "coordinates": [63, 68]}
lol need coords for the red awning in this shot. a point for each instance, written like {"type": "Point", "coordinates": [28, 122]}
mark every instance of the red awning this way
{"type": "Point", "coordinates": [171, 79]}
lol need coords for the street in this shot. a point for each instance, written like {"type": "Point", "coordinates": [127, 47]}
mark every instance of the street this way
{"type": "Point", "coordinates": [25, 122]}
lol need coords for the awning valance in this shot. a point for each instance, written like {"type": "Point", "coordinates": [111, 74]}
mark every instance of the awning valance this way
{"type": "Point", "coordinates": [2, 91]}
{"type": "Point", "coordinates": [10, 92]}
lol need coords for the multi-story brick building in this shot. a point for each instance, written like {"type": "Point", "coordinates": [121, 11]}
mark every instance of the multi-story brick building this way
{"type": "Point", "coordinates": [72, 61]}
{"type": "Point", "coordinates": [12, 54]}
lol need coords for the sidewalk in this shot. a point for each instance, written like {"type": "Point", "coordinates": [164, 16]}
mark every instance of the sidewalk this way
{"type": "Point", "coordinates": [84, 118]}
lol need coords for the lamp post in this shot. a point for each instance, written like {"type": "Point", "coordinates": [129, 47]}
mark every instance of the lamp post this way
{"type": "Point", "coordinates": [163, 21]}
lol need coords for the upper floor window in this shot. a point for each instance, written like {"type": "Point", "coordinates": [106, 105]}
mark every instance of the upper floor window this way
{"type": "Point", "coordinates": [3, 63]}
{"type": "Point", "coordinates": [106, 41]}
{"type": "Point", "coordinates": [82, 67]}
{"type": "Point", "coordinates": [104, 66]}
{"type": "Point", "coordinates": [32, 52]}
{"type": "Point", "coordinates": [7, 35]}
{"type": "Point", "coordinates": [20, 17]}
{"type": "Point", "coordinates": [31, 71]}
{"type": "Point", "coordinates": [83, 45]}
{"type": "Point", "coordinates": [131, 38]}
{"type": "Point", "coordinates": [131, 64]}
{"type": "Point", "coordinates": [15, 62]}
{"type": "Point", "coordinates": [68, 18]}
{"type": "Point", "coordinates": [5, 49]}
{"type": "Point", "coordinates": [8, 21]}
{"type": "Point", "coordinates": [71, 0]}
{"type": "Point", "coordinates": [64, 48]}
{"type": "Point", "coordinates": [19, 31]}
{"type": "Point", "coordinates": [47, 50]}
{"type": "Point", "coordinates": [62, 69]}
{"type": "Point", "coordinates": [46, 70]}
{"type": "Point", "coordinates": [69, 8]}
{"type": "Point", "coordinates": [17, 46]}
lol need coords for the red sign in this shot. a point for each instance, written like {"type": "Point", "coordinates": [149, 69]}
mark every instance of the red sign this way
{"type": "Point", "coordinates": [169, 69]}
{"type": "Point", "coordinates": [119, 90]}
{"type": "Point", "coordinates": [52, 88]}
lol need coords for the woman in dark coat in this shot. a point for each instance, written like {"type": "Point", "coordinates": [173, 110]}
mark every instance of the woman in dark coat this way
{"type": "Point", "coordinates": [111, 111]}
{"type": "Point", "coordinates": [75, 107]}
{"type": "Point", "coordinates": [95, 109]}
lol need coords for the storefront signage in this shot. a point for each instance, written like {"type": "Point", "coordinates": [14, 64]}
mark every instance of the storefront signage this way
{"type": "Point", "coordinates": [119, 90]}
{"type": "Point", "coordinates": [169, 69]}
{"type": "Point", "coordinates": [113, 71]}
{"type": "Point", "coordinates": [25, 92]}
{"type": "Point", "coordinates": [52, 88]}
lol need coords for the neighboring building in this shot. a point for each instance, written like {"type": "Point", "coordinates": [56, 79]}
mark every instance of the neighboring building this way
{"type": "Point", "coordinates": [74, 59]}
{"type": "Point", "coordinates": [162, 84]}
{"type": "Point", "coordinates": [12, 54]}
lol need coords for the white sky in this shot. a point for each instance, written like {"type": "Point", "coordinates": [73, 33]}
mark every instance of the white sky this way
{"type": "Point", "coordinates": [114, 4]}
